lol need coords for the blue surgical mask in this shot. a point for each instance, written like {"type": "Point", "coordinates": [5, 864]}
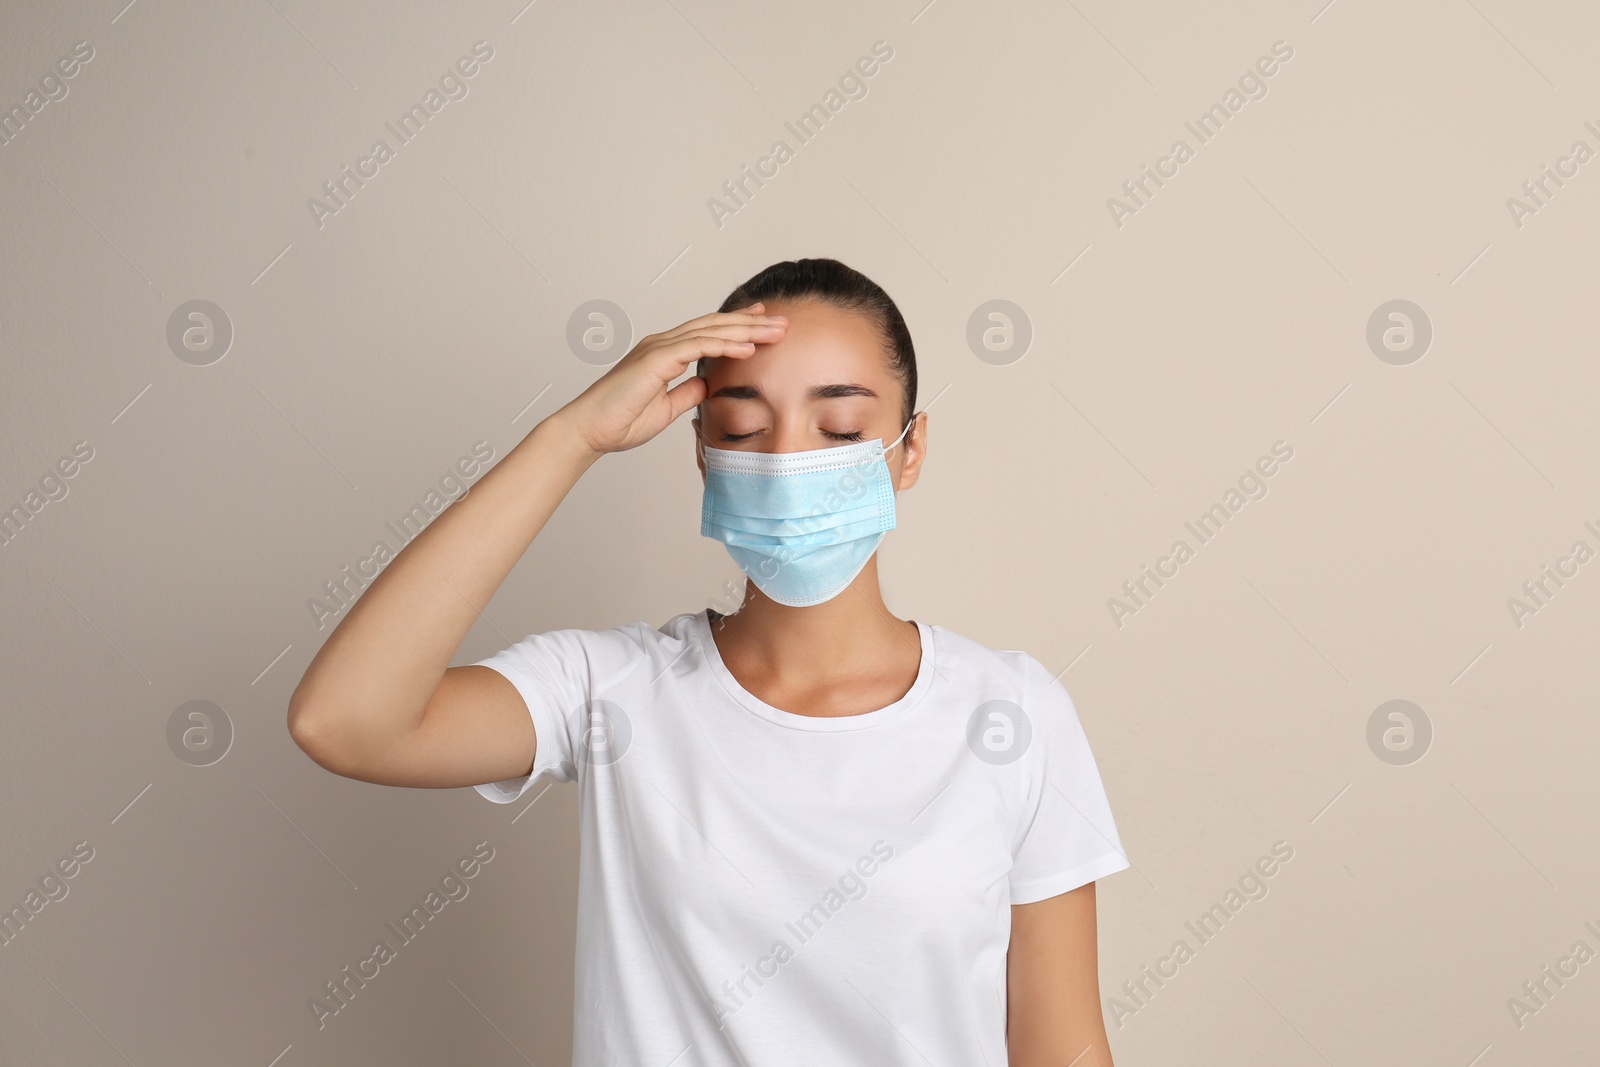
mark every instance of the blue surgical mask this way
{"type": "Point", "coordinates": [801, 525]}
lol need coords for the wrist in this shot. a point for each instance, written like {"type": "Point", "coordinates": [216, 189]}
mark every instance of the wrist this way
{"type": "Point", "coordinates": [559, 433]}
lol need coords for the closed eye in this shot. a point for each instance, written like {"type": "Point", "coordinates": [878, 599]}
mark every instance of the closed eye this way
{"type": "Point", "coordinates": [853, 435]}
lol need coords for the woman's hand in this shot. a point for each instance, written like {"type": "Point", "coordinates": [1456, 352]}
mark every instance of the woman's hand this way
{"type": "Point", "coordinates": [634, 400]}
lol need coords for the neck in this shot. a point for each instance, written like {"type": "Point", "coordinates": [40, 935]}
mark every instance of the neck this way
{"type": "Point", "coordinates": [837, 636]}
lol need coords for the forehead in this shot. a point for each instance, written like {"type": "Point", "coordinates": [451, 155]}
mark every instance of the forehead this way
{"type": "Point", "coordinates": [824, 344]}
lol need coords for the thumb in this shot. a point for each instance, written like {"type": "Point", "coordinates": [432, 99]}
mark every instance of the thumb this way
{"type": "Point", "coordinates": [686, 394]}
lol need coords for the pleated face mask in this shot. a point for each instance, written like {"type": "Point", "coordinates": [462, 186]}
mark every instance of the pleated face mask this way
{"type": "Point", "coordinates": [801, 525]}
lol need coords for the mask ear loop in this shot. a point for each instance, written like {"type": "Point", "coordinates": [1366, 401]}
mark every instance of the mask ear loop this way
{"type": "Point", "coordinates": [701, 444]}
{"type": "Point", "coordinates": [902, 437]}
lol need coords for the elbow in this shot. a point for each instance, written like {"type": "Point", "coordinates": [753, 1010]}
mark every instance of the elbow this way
{"type": "Point", "coordinates": [335, 739]}
{"type": "Point", "coordinates": [312, 732]}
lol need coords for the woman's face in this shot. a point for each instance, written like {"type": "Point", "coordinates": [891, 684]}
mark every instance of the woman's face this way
{"type": "Point", "coordinates": [826, 383]}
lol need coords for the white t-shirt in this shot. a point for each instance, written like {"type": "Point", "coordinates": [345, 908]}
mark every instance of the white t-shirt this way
{"type": "Point", "coordinates": [759, 887]}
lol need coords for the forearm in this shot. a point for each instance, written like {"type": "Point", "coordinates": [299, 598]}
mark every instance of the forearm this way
{"type": "Point", "coordinates": [373, 677]}
{"type": "Point", "coordinates": [1053, 1016]}
{"type": "Point", "coordinates": [1083, 1050]}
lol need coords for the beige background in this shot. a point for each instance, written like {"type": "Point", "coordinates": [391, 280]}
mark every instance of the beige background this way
{"type": "Point", "coordinates": [1169, 353]}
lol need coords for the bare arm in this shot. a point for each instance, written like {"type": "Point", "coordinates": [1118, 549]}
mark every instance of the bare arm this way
{"type": "Point", "coordinates": [361, 706]}
{"type": "Point", "coordinates": [1053, 984]}
{"type": "Point", "coordinates": [380, 702]}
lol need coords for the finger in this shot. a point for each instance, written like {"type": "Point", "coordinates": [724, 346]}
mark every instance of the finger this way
{"type": "Point", "coordinates": [760, 332]}
{"type": "Point", "coordinates": [735, 341]}
{"type": "Point", "coordinates": [731, 318]}
{"type": "Point", "coordinates": [720, 318]}
{"type": "Point", "coordinates": [686, 394]}
{"type": "Point", "coordinates": [671, 359]}
{"type": "Point", "coordinates": [757, 333]}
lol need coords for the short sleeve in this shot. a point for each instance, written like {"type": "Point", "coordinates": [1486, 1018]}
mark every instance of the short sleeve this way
{"type": "Point", "coordinates": [1066, 836]}
{"type": "Point", "coordinates": [560, 674]}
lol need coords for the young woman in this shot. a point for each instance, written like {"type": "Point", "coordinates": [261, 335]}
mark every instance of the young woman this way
{"type": "Point", "coordinates": [812, 833]}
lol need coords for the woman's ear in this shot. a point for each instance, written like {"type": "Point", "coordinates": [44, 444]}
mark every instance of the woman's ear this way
{"type": "Point", "coordinates": [916, 447]}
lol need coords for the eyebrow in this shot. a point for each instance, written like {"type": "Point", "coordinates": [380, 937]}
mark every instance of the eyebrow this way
{"type": "Point", "coordinates": [818, 392]}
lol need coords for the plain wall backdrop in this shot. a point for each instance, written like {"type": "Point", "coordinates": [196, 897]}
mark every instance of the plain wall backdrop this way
{"type": "Point", "coordinates": [1378, 258]}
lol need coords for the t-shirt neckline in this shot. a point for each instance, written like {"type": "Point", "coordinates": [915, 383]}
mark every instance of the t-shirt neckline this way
{"type": "Point", "coordinates": [926, 668]}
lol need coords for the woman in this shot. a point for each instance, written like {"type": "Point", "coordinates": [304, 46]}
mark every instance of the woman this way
{"type": "Point", "coordinates": [812, 833]}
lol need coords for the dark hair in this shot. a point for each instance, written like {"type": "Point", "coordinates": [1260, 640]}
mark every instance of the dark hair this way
{"type": "Point", "coordinates": [844, 288]}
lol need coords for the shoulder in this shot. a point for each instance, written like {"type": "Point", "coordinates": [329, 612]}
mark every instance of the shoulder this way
{"type": "Point", "coordinates": [1007, 678]}
{"type": "Point", "coordinates": [603, 655]}
{"type": "Point", "coordinates": [1010, 665]}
